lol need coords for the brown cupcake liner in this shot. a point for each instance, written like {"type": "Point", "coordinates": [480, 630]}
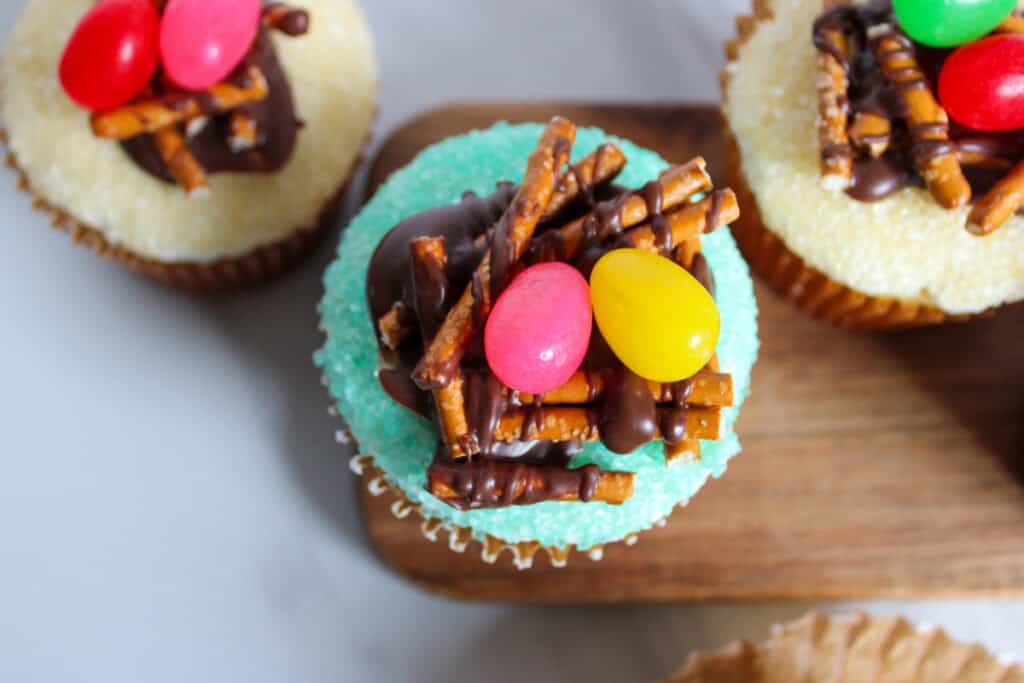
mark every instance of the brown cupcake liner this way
{"type": "Point", "coordinates": [849, 649]}
{"type": "Point", "coordinates": [461, 539]}
{"type": "Point", "coordinates": [256, 267]}
{"type": "Point", "coordinates": [811, 290]}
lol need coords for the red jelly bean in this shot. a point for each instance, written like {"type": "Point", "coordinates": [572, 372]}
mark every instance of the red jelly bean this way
{"type": "Point", "coordinates": [202, 41]}
{"type": "Point", "coordinates": [982, 84]}
{"type": "Point", "coordinates": [112, 54]}
{"type": "Point", "coordinates": [539, 329]}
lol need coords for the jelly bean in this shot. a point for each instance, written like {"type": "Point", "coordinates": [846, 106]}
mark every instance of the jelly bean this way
{"type": "Point", "coordinates": [539, 328]}
{"type": "Point", "coordinates": [982, 84]}
{"type": "Point", "coordinates": [657, 318]}
{"type": "Point", "coordinates": [950, 22]}
{"type": "Point", "coordinates": [112, 54]}
{"type": "Point", "coordinates": [203, 41]}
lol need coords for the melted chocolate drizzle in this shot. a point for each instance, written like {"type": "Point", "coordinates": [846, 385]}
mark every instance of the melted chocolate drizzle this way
{"type": "Point", "coordinates": [526, 471]}
{"type": "Point", "coordinates": [628, 417]}
{"type": "Point", "coordinates": [274, 116]}
{"type": "Point", "coordinates": [870, 91]}
{"type": "Point", "coordinates": [490, 483]}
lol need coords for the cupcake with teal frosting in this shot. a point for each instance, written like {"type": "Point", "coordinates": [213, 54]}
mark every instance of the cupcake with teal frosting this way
{"type": "Point", "coordinates": [539, 338]}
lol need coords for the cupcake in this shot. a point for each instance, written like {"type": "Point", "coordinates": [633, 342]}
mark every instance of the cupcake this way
{"type": "Point", "coordinates": [551, 365]}
{"type": "Point", "coordinates": [849, 649]}
{"type": "Point", "coordinates": [203, 143]}
{"type": "Point", "coordinates": [874, 158]}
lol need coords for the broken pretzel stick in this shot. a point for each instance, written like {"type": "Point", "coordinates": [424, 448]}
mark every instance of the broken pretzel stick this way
{"type": "Point", "coordinates": [428, 258]}
{"type": "Point", "coordinates": [833, 109]}
{"type": "Point", "coordinates": [511, 236]}
{"type": "Point", "coordinates": [291, 22]}
{"type": "Point", "coordinates": [481, 483]}
{"type": "Point", "coordinates": [871, 132]}
{"type": "Point", "coordinates": [583, 387]}
{"type": "Point", "coordinates": [149, 116]}
{"type": "Point", "coordinates": [243, 133]}
{"type": "Point", "coordinates": [934, 155]}
{"type": "Point", "coordinates": [180, 162]}
{"type": "Point", "coordinates": [998, 204]}
{"type": "Point", "coordinates": [394, 327]}
{"type": "Point", "coordinates": [571, 423]}
{"type": "Point", "coordinates": [609, 218]}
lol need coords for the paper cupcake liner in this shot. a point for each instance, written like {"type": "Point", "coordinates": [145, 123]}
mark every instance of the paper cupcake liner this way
{"type": "Point", "coordinates": [811, 290]}
{"type": "Point", "coordinates": [461, 539]}
{"type": "Point", "coordinates": [255, 267]}
{"type": "Point", "coordinates": [850, 649]}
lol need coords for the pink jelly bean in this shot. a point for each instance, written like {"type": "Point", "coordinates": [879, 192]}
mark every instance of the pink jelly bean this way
{"type": "Point", "coordinates": [539, 329]}
{"type": "Point", "coordinates": [203, 41]}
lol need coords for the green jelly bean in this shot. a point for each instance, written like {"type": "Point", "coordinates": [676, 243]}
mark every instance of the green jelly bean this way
{"type": "Point", "coordinates": [947, 23]}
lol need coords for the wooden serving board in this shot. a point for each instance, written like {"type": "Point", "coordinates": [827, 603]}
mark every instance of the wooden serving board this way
{"type": "Point", "coordinates": [873, 466]}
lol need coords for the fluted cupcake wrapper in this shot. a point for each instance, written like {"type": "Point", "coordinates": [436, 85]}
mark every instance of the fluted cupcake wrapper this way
{"type": "Point", "coordinates": [461, 539]}
{"type": "Point", "coordinates": [258, 266]}
{"type": "Point", "coordinates": [850, 649]}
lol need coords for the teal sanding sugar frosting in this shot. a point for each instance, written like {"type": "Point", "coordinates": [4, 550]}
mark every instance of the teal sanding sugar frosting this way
{"type": "Point", "coordinates": [402, 444]}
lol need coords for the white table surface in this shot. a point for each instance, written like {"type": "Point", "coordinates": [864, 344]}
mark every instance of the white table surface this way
{"type": "Point", "coordinates": [172, 504]}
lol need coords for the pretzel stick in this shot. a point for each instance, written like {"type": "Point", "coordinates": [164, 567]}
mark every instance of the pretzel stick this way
{"type": "Point", "coordinates": [871, 132]}
{"type": "Point", "coordinates": [598, 167]}
{"type": "Point", "coordinates": [484, 482]}
{"type": "Point", "coordinates": [149, 116]}
{"type": "Point", "coordinates": [935, 155]}
{"type": "Point", "coordinates": [571, 423]}
{"type": "Point", "coordinates": [1011, 24]}
{"type": "Point", "coordinates": [180, 162]}
{"type": "Point", "coordinates": [833, 107]}
{"type": "Point", "coordinates": [292, 22]}
{"type": "Point", "coordinates": [393, 327]}
{"type": "Point", "coordinates": [709, 389]}
{"type": "Point", "coordinates": [429, 259]}
{"type": "Point", "coordinates": [677, 185]}
{"type": "Point", "coordinates": [997, 205]}
{"type": "Point", "coordinates": [689, 222]}
{"type": "Point", "coordinates": [243, 132]}
{"type": "Point", "coordinates": [512, 234]}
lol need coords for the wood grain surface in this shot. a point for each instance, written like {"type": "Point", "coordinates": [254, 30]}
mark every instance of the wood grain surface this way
{"type": "Point", "coordinates": [873, 466]}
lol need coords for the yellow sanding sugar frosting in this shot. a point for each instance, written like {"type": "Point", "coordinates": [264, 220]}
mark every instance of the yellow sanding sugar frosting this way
{"type": "Point", "coordinates": [333, 75]}
{"type": "Point", "coordinates": [905, 246]}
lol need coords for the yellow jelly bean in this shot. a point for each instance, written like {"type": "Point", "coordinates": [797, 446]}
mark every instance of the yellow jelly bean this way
{"type": "Point", "coordinates": [657, 318]}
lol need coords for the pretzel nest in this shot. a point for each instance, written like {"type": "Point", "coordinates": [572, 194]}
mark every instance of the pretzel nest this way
{"type": "Point", "coordinates": [810, 289]}
{"type": "Point", "coordinates": [668, 217]}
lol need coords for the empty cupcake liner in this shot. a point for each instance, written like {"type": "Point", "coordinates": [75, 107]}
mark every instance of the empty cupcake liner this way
{"type": "Point", "coordinates": [850, 649]}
